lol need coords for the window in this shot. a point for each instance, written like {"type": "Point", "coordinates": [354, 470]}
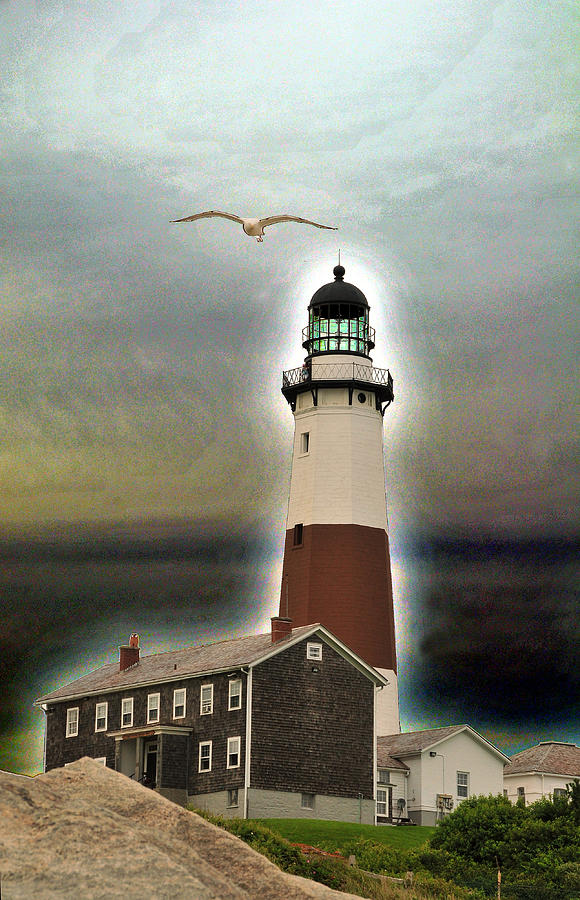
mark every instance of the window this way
{"type": "Point", "coordinates": [233, 753]}
{"type": "Point", "coordinates": [72, 721]}
{"type": "Point", "coordinates": [101, 716]}
{"type": "Point", "coordinates": [307, 801]}
{"type": "Point", "coordinates": [522, 794]}
{"type": "Point", "coordinates": [179, 703]}
{"type": "Point", "coordinates": [126, 712]}
{"type": "Point", "coordinates": [235, 694]}
{"type": "Point", "coordinates": [205, 756]}
{"type": "Point", "coordinates": [206, 700]}
{"type": "Point", "coordinates": [102, 760]}
{"type": "Point", "coordinates": [153, 707]}
{"type": "Point", "coordinates": [463, 784]}
{"type": "Point", "coordinates": [313, 651]}
{"type": "Point", "coordinates": [304, 442]}
{"type": "Point", "coordinates": [384, 776]}
{"type": "Point", "coordinates": [382, 807]}
{"type": "Point", "coordinates": [233, 797]}
{"type": "Point", "coordinates": [298, 534]}
{"type": "Point", "coordinates": [560, 792]}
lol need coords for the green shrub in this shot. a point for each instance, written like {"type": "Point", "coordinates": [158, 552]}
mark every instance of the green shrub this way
{"type": "Point", "coordinates": [477, 829]}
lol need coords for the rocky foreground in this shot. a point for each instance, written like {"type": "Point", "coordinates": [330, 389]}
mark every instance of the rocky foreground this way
{"type": "Point", "coordinates": [88, 832]}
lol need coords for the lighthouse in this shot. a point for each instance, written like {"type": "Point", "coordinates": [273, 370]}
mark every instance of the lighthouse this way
{"type": "Point", "coordinates": [336, 567]}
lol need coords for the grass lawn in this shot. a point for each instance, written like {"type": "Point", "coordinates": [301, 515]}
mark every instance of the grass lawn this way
{"type": "Point", "coordinates": [336, 835]}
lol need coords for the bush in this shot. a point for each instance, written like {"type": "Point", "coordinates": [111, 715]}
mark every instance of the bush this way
{"type": "Point", "coordinates": [537, 848]}
{"type": "Point", "coordinates": [477, 829]}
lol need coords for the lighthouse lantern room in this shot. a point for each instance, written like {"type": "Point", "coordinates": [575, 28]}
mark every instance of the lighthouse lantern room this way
{"type": "Point", "coordinates": [336, 559]}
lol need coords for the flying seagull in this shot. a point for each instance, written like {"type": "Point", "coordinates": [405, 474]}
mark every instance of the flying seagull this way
{"type": "Point", "coordinates": [253, 227]}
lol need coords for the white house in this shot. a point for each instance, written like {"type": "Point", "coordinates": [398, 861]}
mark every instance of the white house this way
{"type": "Point", "coordinates": [423, 775]}
{"type": "Point", "coordinates": [541, 770]}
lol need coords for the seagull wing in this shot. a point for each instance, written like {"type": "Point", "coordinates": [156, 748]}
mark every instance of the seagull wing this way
{"type": "Point", "coordinates": [273, 220]}
{"type": "Point", "coordinates": [210, 214]}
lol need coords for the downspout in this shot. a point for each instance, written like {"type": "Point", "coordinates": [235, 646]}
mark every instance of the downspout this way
{"type": "Point", "coordinates": [375, 757]}
{"type": "Point", "coordinates": [44, 708]}
{"type": "Point", "coordinates": [248, 743]}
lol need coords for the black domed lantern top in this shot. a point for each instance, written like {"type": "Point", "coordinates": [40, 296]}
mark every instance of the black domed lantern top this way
{"type": "Point", "coordinates": [338, 319]}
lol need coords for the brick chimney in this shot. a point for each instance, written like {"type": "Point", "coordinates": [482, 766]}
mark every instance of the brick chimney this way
{"type": "Point", "coordinates": [281, 628]}
{"type": "Point", "coordinates": [129, 655]}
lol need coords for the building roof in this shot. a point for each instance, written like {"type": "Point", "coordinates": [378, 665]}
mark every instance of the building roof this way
{"type": "Point", "coordinates": [414, 741]}
{"type": "Point", "coordinates": [411, 743]}
{"type": "Point", "coordinates": [548, 757]}
{"type": "Point", "coordinates": [194, 661]}
{"type": "Point", "coordinates": [384, 761]}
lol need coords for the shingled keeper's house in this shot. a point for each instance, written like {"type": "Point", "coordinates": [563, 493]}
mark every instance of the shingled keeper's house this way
{"type": "Point", "coordinates": [279, 724]}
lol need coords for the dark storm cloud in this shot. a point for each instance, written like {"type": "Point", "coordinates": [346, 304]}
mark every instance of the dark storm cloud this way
{"type": "Point", "coordinates": [71, 596]}
{"type": "Point", "coordinates": [499, 631]}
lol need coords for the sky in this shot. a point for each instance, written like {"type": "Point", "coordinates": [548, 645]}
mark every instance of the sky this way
{"type": "Point", "coordinates": [144, 442]}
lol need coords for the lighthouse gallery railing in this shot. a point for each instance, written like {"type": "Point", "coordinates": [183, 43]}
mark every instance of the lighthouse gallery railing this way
{"type": "Point", "coordinates": [336, 372]}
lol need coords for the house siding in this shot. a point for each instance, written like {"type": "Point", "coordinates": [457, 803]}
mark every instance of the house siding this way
{"type": "Point", "coordinates": [61, 750]}
{"type": "Point", "coordinates": [173, 760]}
{"type": "Point", "coordinates": [430, 776]}
{"type": "Point", "coordinates": [535, 786]}
{"type": "Point", "coordinates": [312, 731]}
{"type": "Point", "coordinates": [217, 727]}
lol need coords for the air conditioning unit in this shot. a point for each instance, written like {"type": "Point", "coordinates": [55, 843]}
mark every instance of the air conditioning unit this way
{"type": "Point", "coordinates": [444, 801]}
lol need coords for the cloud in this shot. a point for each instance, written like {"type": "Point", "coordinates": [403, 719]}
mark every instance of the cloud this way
{"type": "Point", "coordinates": [498, 634]}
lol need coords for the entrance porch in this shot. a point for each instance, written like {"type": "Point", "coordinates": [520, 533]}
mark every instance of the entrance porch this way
{"type": "Point", "coordinates": [157, 756]}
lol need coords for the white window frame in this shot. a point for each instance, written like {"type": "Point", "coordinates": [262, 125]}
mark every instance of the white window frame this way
{"type": "Point", "coordinates": [307, 800]}
{"type": "Point", "coordinates": [314, 651]}
{"type": "Point", "coordinates": [382, 802]}
{"type": "Point", "coordinates": [101, 759]}
{"type": "Point", "coordinates": [305, 443]}
{"type": "Point", "coordinates": [231, 695]}
{"type": "Point", "coordinates": [206, 706]}
{"type": "Point", "coordinates": [463, 787]}
{"type": "Point", "coordinates": [234, 749]}
{"type": "Point", "coordinates": [208, 757]}
{"type": "Point", "coordinates": [126, 701]}
{"type": "Point", "coordinates": [105, 716]}
{"type": "Point", "coordinates": [176, 693]}
{"type": "Point", "coordinates": [72, 721]}
{"type": "Point", "coordinates": [233, 798]}
{"type": "Point", "coordinates": [150, 706]}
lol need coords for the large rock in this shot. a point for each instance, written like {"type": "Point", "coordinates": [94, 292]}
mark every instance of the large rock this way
{"type": "Point", "coordinates": [86, 831]}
